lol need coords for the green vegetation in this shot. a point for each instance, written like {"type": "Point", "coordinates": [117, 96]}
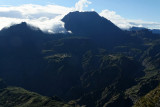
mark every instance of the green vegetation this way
{"type": "Point", "coordinates": [152, 99]}
{"type": "Point", "coordinates": [57, 57]}
{"type": "Point", "coordinates": [18, 97]}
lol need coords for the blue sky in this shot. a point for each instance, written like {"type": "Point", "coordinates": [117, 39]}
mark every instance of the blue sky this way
{"type": "Point", "coordinates": [147, 10]}
{"type": "Point", "coordinates": [47, 14]}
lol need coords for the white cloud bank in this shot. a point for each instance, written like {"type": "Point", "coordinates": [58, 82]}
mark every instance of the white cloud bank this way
{"type": "Point", "coordinates": [81, 4]}
{"type": "Point", "coordinates": [116, 19]}
{"type": "Point", "coordinates": [48, 17]}
{"type": "Point", "coordinates": [126, 23]}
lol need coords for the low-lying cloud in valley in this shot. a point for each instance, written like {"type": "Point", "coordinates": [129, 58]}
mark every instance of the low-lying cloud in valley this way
{"type": "Point", "coordinates": [48, 17]}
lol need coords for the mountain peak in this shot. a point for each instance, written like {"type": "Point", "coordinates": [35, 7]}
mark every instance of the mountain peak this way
{"type": "Point", "coordinates": [90, 13]}
{"type": "Point", "coordinates": [24, 23]}
{"type": "Point", "coordinates": [23, 26]}
{"type": "Point", "coordinates": [20, 35]}
{"type": "Point", "coordinates": [89, 23]}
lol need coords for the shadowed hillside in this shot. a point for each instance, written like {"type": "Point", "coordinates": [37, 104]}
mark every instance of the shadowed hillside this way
{"type": "Point", "coordinates": [97, 65]}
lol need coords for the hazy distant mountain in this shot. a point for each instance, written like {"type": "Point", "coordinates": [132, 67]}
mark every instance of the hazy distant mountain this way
{"type": "Point", "coordinates": [155, 31]}
{"type": "Point", "coordinates": [137, 28]}
{"type": "Point", "coordinates": [97, 65]}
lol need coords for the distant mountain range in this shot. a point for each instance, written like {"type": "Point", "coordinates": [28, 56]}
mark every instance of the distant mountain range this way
{"type": "Point", "coordinates": [155, 31]}
{"type": "Point", "coordinates": [96, 65]}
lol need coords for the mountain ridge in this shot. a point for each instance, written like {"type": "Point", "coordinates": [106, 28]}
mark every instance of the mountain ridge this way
{"type": "Point", "coordinates": [105, 68]}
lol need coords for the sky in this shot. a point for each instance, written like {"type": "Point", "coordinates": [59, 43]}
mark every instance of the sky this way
{"type": "Point", "coordinates": [47, 14]}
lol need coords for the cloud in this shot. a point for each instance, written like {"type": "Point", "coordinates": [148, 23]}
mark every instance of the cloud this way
{"type": "Point", "coordinates": [126, 23]}
{"type": "Point", "coordinates": [146, 24]}
{"type": "Point", "coordinates": [116, 19]}
{"type": "Point", "coordinates": [79, 6]}
{"type": "Point", "coordinates": [47, 18]}
{"type": "Point", "coordinates": [13, 14]}
{"type": "Point", "coordinates": [30, 9]}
